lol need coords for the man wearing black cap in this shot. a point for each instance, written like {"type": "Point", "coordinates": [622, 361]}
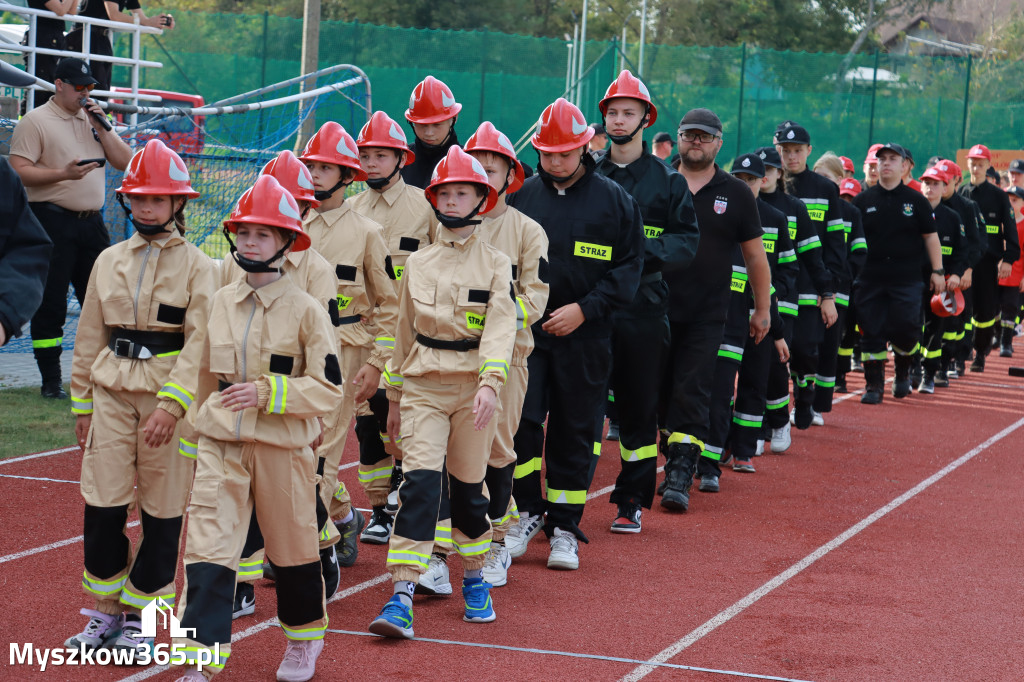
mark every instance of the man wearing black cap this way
{"type": "Point", "coordinates": [699, 299]}
{"type": "Point", "coordinates": [664, 147]}
{"type": "Point", "coordinates": [1015, 172]}
{"type": "Point", "coordinates": [813, 283]}
{"type": "Point", "coordinates": [889, 289]}
{"type": "Point", "coordinates": [58, 150]}
{"type": "Point", "coordinates": [812, 391]}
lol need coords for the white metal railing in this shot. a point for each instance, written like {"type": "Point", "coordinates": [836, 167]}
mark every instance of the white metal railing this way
{"type": "Point", "coordinates": [134, 62]}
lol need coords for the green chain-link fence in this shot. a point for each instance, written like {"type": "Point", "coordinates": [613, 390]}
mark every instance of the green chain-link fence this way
{"type": "Point", "coordinates": [934, 105]}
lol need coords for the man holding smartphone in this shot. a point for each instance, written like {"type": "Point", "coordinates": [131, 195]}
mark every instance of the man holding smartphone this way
{"type": "Point", "coordinates": [59, 150]}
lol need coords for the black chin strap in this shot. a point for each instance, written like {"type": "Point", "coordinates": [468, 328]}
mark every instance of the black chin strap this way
{"type": "Point", "coordinates": [142, 228]}
{"type": "Point", "coordinates": [250, 265]}
{"type": "Point", "coordinates": [381, 183]}
{"type": "Point", "coordinates": [453, 223]}
{"type": "Point", "coordinates": [439, 145]}
{"type": "Point", "coordinates": [623, 139]}
{"type": "Point", "coordinates": [550, 179]}
{"type": "Point", "coordinates": [324, 195]}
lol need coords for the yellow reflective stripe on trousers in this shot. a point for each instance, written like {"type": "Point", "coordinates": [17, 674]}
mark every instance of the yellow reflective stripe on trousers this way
{"type": "Point", "coordinates": [556, 496]}
{"type": "Point", "coordinates": [646, 452]}
{"type": "Point", "coordinates": [247, 570]}
{"type": "Point", "coordinates": [278, 395]}
{"type": "Point", "coordinates": [375, 474]}
{"type": "Point", "coordinates": [473, 548]}
{"type": "Point", "coordinates": [397, 556]}
{"type": "Point", "coordinates": [749, 420]}
{"type": "Point", "coordinates": [527, 468]}
{"type": "Point", "coordinates": [104, 588]}
{"type": "Point", "coordinates": [340, 491]}
{"type": "Point", "coordinates": [191, 654]}
{"type": "Point", "coordinates": [80, 406]}
{"type": "Point", "coordinates": [140, 602]}
{"type": "Point", "coordinates": [597, 449]}
{"type": "Point", "coordinates": [865, 357]}
{"type": "Point", "coordinates": [443, 534]}
{"type": "Point", "coordinates": [187, 449]}
{"type": "Point", "coordinates": [305, 634]}
{"type": "Point", "coordinates": [685, 439]}
{"type": "Point", "coordinates": [48, 343]}
{"type": "Point", "coordinates": [177, 394]}
{"type": "Point", "coordinates": [984, 325]}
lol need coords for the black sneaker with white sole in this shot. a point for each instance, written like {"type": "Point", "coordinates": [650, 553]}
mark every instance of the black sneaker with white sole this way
{"type": "Point", "coordinates": [627, 520]}
{"type": "Point", "coordinates": [378, 530]}
{"type": "Point", "coordinates": [245, 600]}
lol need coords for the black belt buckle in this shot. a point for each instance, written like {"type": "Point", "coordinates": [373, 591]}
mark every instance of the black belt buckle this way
{"type": "Point", "coordinates": [123, 348]}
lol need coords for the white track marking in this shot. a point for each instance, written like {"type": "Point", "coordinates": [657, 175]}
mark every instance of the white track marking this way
{"type": "Point", "coordinates": [38, 478]}
{"type": "Point", "coordinates": [48, 453]}
{"type": "Point", "coordinates": [742, 605]}
{"type": "Point", "coordinates": [45, 548]}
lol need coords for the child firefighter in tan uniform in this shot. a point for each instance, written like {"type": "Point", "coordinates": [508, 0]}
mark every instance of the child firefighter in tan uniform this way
{"type": "Point", "coordinates": [523, 240]}
{"type": "Point", "coordinates": [409, 225]}
{"type": "Point", "coordinates": [366, 302]}
{"type": "Point", "coordinates": [132, 379]}
{"type": "Point", "coordinates": [268, 369]}
{"type": "Point", "coordinates": [454, 340]}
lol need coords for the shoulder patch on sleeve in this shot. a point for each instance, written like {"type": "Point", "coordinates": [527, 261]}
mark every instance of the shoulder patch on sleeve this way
{"type": "Point", "coordinates": [170, 314]}
{"type": "Point", "coordinates": [479, 295]}
{"type": "Point", "coordinates": [345, 273]}
{"type": "Point", "coordinates": [332, 370]}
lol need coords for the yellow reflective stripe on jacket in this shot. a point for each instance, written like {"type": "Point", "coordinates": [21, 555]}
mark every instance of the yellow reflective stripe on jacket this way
{"type": "Point", "coordinates": [385, 341]}
{"type": "Point", "coordinates": [187, 449]}
{"type": "Point", "coordinates": [556, 496]}
{"type": "Point", "coordinates": [80, 406]}
{"type": "Point", "coordinates": [522, 318]}
{"type": "Point", "coordinates": [645, 452]}
{"type": "Point", "coordinates": [392, 378]}
{"type": "Point", "coordinates": [499, 365]}
{"type": "Point", "coordinates": [177, 394]}
{"type": "Point", "coordinates": [527, 468]}
{"type": "Point", "coordinates": [278, 395]}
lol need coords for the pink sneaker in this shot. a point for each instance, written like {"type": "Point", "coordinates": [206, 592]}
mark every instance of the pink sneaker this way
{"type": "Point", "coordinates": [100, 630]}
{"type": "Point", "coordinates": [299, 662]}
{"type": "Point", "coordinates": [192, 675]}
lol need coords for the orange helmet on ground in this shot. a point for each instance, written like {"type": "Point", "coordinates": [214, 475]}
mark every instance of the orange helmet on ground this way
{"type": "Point", "coordinates": [561, 128]}
{"type": "Point", "coordinates": [268, 203]}
{"type": "Point", "coordinates": [293, 176]}
{"type": "Point", "coordinates": [382, 131]}
{"type": "Point", "coordinates": [431, 102]}
{"type": "Point", "coordinates": [487, 138]}
{"type": "Point", "coordinates": [948, 303]}
{"type": "Point", "coordinates": [157, 169]}
{"type": "Point", "coordinates": [628, 85]}
{"type": "Point", "coordinates": [458, 166]}
{"type": "Point", "coordinates": [332, 144]}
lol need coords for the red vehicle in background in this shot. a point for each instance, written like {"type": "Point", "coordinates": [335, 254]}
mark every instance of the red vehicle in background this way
{"type": "Point", "coordinates": [183, 134]}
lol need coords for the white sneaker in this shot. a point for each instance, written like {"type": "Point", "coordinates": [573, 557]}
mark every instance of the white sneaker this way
{"type": "Point", "coordinates": [781, 440]}
{"type": "Point", "coordinates": [495, 569]}
{"type": "Point", "coordinates": [564, 551]}
{"type": "Point", "coordinates": [520, 534]}
{"type": "Point", "coordinates": [759, 450]}
{"type": "Point", "coordinates": [817, 419]}
{"type": "Point", "coordinates": [792, 416]}
{"type": "Point", "coordinates": [435, 580]}
{"type": "Point", "coordinates": [392, 506]}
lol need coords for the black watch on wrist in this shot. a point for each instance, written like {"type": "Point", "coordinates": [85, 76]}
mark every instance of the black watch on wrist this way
{"type": "Point", "coordinates": [939, 271]}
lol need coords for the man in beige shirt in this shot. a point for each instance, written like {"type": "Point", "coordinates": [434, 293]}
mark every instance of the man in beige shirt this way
{"type": "Point", "coordinates": [59, 150]}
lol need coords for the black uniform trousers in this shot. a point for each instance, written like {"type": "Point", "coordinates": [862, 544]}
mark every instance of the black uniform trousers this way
{"type": "Point", "coordinates": [965, 325]}
{"type": "Point", "coordinates": [567, 385]}
{"type": "Point", "coordinates": [889, 312]}
{"type": "Point", "coordinates": [723, 386]}
{"type": "Point", "coordinates": [639, 348]}
{"type": "Point", "coordinates": [688, 379]}
{"type": "Point", "coordinates": [935, 329]}
{"type": "Point", "coordinates": [828, 361]}
{"type": "Point", "coordinates": [850, 341]}
{"type": "Point", "coordinates": [808, 335]}
{"type": "Point", "coordinates": [986, 303]}
{"type": "Point", "coordinates": [776, 412]}
{"type": "Point", "coordinates": [77, 242]}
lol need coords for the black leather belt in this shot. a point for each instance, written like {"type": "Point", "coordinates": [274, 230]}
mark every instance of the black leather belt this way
{"type": "Point", "coordinates": [81, 215]}
{"type": "Point", "coordinates": [460, 345]}
{"type": "Point", "coordinates": [351, 319]}
{"type": "Point", "coordinates": [130, 343]}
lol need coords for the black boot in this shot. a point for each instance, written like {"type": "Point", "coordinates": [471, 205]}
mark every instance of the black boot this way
{"type": "Point", "coordinates": [901, 385]}
{"type": "Point", "coordinates": [803, 398]}
{"type": "Point", "coordinates": [679, 471]}
{"type": "Point", "coordinates": [841, 383]}
{"type": "Point", "coordinates": [874, 380]}
{"type": "Point", "coordinates": [941, 379]}
{"type": "Point", "coordinates": [1006, 343]}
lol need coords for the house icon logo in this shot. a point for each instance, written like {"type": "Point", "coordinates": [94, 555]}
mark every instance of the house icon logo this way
{"type": "Point", "coordinates": [167, 619]}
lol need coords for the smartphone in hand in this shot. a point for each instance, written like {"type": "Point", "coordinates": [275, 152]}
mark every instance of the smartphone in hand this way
{"type": "Point", "coordinates": [85, 162]}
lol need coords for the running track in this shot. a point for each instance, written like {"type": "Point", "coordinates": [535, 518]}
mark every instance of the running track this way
{"type": "Point", "coordinates": [886, 545]}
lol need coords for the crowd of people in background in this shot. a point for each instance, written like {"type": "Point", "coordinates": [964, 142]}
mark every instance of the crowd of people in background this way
{"type": "Point", "coordinates": [476, 320]}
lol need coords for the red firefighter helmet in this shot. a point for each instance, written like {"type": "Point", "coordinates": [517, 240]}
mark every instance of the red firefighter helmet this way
{"type": "Point", "coordinates": [458, 166]}
{"type": "Point", "coordinates": [948, 303]}
{"type": "Point", "coordinates": [382, 131]}
{"type": "Point", "coordinates": [293, 176]}
{"type": "Point", "coordinates": [157, 169]}
{"type": "Point", "coordinates": [628, 85]}
{"type": "Point", "coordinates": [332, 144]}
{"type": "Point", "coordinates": [562, 127]}
{"type": "Point", "coordinates": [268, 203]}
{"type": "Point", "coordinates": [431, 102]}
{"type": "Point", "coordinates": [487, 138]}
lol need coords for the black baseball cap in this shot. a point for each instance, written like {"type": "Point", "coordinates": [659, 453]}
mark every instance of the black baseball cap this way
{"type": "Point", "coordinates": [1015, 191]}
{"type": "Point", "coordinates": [751, 164]}
{"type": "Point", "coordinates": [1016, 166]}
{"type": "Point", "coordinates": [907, 154]}
{"type": "Point", "coordinates": [75, 71]}
{"type": "Point", "coordinates": [701, 119]}
{"type": "Point", "coordinates": [992, 173]}
{"type": "Point", "coordinates": [770, 157]}
{"type": "Point", "coordinates": [892, 147]}
{"type": "Point", "coordinates": [792, 134]}
{"type": "Point", "coordinates": [663, 137]}
{"type": "Point", "coordinates": [598, 129]}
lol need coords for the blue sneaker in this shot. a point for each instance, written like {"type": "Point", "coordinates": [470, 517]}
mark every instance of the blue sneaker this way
{"type": "Point", "coordinates": [477, 595]}
{"type": "Point", "coordinates": [395, 620]}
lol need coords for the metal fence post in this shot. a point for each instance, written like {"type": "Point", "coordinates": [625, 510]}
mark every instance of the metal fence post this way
{"type": "Point", "coordinates": [874, 91]}
{"type": "Point", "coordinates": [739, 113]}
{"type": "Point", "coordinates": [967, 102]}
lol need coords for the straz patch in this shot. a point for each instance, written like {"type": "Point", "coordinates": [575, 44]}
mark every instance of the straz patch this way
{"type": "Point", "coordinates": [474, 321]}
{"type": "Point", "coordinates": [817, 214]}
{"type": "Point", "coordinates": [343, 301]}
{"type": "Point", "coordinates": [769, 245]}
{"type": "Point", "coordinates": [652, 232]}
{"type": "Point", "coordinates": [992, 229]}
{"type": "Point", "coordinates": [908, 210]}
{"type": "Point", "coordinates": [721, 203]}
{"type": "Point", "coordinates": [947, 250]}
{"type": "Point", "coordinates": [738, 284]}
{"type": "Point", "coordinates": [399, 269]}
{"type": "Point", "coordinates": [595, 251]}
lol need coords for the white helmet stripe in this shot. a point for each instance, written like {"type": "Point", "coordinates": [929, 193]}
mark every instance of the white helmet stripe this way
{"type": "Point", "coordinates": [286, 209]}
{"type": "Point", "coordinates": [175, 173]}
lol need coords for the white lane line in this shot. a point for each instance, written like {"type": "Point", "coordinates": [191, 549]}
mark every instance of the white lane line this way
{"type": "Point", "coordinates": [742, 605]}
{"type": "Point", "coordinates": [573, 654]}
{"type": "Point", "coordinates": [46, 548]}
{"type": "Point", "coordinates": [48, 453]}
{"type": "Point", "coordinates": [268, 623]}
{"type": "Point", "coordinates": [38, 478]}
